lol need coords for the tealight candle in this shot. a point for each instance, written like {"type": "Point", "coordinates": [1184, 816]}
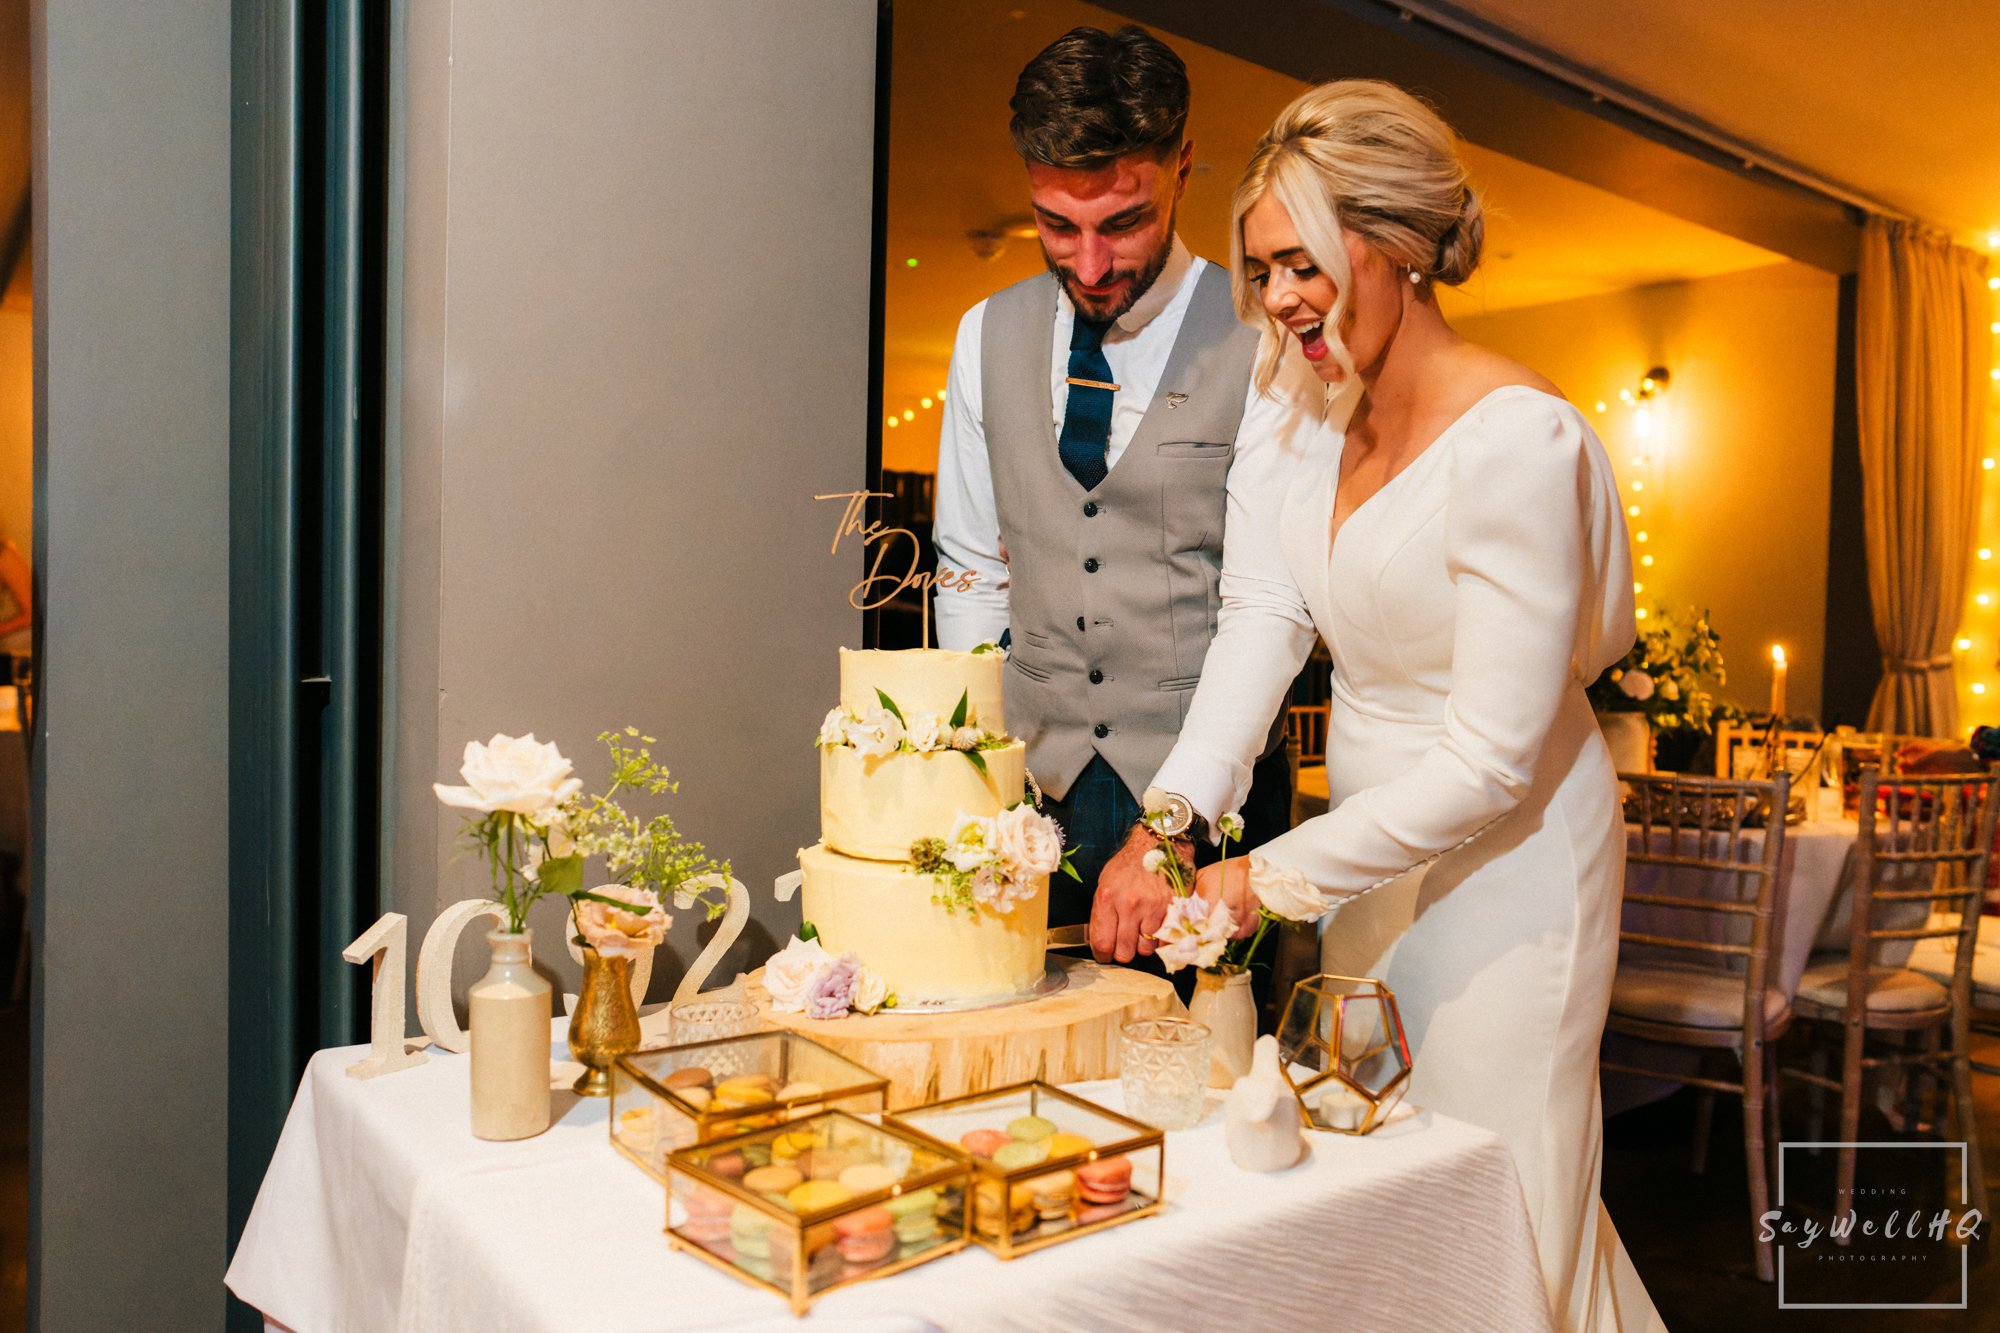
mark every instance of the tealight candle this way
{"type": "Point", "coordinates": [1340, 1107]}
{"type": "Point", "coordinates": [1778, 667]}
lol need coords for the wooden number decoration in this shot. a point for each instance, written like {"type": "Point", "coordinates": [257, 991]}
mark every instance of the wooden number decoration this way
{"type": "Point", "coordinates": [386, 942]}
{"type": "Point", "coordinates": [434, 971]}
{"type": "Point", "coordinates": [733, 921]}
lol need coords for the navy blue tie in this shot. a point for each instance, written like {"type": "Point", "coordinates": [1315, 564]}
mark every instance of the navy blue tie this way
{"type": "Point", "coordinates": [1086, 427]}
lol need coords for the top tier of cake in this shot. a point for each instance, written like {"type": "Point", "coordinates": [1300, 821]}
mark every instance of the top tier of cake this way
{"type": "Point", "coordinates": [926, 680]}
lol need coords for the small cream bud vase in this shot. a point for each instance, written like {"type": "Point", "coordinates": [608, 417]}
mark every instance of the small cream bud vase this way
{"type": "Point", "coordinates": [510, 1042]}
{"type": "Point", "coordinates": [1222, 1003]}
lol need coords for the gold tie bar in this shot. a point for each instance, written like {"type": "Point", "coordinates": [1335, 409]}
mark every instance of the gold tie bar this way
{"type": "Point", "coordinates": [1090, 384]}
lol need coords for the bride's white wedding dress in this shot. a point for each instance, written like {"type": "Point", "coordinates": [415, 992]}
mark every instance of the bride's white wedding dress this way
{"type": "Point", "coordinates": [1466, 605]}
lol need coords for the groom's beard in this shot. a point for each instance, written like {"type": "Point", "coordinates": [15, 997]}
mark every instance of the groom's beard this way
{"type": "Point", "coordinates": [1142, 282]}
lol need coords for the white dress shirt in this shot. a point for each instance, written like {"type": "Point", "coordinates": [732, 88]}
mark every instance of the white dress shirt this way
{"type": "Point", "coordinates": [1262, 620]}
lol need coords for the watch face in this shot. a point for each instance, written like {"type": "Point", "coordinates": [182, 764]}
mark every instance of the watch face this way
{"type": "Point", "coordinates": [1180, 813]}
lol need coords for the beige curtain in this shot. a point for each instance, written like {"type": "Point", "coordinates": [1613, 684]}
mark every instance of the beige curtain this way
{"type": "Point", "coordinates": [1923, 348]}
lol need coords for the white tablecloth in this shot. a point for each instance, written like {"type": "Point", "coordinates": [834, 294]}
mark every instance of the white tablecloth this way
{"type": "Point", "coordinates": [381, 1211]}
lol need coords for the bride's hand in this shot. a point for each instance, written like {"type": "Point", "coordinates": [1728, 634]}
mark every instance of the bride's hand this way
{"type": "Point", "coordinates": [1230, 880]}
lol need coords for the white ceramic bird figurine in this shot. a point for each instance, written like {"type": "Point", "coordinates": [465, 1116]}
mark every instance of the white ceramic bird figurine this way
{"type": "Point", "coordinates": [1261, 1118]}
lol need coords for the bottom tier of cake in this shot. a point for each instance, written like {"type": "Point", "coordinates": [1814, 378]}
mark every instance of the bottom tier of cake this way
{"type": "Point", "coordinates": [931, 958]}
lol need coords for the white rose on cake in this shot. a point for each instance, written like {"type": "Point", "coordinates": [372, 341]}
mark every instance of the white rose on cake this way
{"type": "Point", "coordinates": [1284, 892]}
{"type": "Point", "coordinates": [876, 733]}
{"type": "Point", "coordinates": [970, 847]}
{"type": "Point", "coordinates": [833, 731]}
{"type": "Point", "coordinates": [927, 731]}
{"type": "Point", "coordinates": [789, 975]}
{"type": "Point", "coordinates": [515, 773]}
{"type": "Point", "coordinates": [870, 991]}
{"type": "Point", "coordinates": [1027, 842]}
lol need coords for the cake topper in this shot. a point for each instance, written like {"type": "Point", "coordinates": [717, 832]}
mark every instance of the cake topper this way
{"type": "Point", "coordinates": [881, 586]}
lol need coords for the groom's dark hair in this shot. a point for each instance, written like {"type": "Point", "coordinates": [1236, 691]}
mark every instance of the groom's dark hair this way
{"type": "Point", "coordinates": [1093, 96]}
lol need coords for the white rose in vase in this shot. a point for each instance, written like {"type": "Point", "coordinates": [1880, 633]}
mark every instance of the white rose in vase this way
{"type": "Point", "coordinates": [1284, 891]}
{"type": "Point", "coordinates": [514, 773]}
{"type": "Point", "coordinates": [1027, 842]}
{"type": "Point", "coordinates": [789, 974]}
{"type": "Point", "coordinates": [926, 731]}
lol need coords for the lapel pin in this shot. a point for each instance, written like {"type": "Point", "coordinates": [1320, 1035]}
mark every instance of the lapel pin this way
{"type": "Point", "coordinates": [1176, 399]}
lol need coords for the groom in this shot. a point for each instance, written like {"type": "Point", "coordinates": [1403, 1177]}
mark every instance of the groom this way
{"type": "Point", "coordinates": [1100, 427]}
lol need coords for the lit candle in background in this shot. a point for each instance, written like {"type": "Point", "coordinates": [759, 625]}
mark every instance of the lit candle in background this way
{"type": "Point", "coordinates": [1778, 680]}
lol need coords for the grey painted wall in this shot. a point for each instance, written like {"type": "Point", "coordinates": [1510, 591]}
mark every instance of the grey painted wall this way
{"type": "Point", "coordinates": [129, 1059]}
{"type": "Point", "coordinates": [635, 344]}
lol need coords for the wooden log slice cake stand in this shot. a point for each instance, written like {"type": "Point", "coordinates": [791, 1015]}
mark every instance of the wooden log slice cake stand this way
{"type": "Point", "coordinates": [1068, 1037]}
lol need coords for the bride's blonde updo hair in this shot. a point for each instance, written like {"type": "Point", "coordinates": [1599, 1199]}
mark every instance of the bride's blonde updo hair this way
{"type": "Point", "coordinates": [1367, 157]}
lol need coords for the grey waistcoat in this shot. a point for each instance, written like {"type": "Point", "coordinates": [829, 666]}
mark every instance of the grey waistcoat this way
{"type": "Point", "coordinates": [1114, 591]}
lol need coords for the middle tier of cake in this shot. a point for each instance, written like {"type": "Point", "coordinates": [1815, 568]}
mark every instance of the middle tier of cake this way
{"type": "Point", "coordinates": [876, 807]}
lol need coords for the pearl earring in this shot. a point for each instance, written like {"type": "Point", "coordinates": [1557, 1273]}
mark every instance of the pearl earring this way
{"type": "Point", "coordinates": [1415, 277]}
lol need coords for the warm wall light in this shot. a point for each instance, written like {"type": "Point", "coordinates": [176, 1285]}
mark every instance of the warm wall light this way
{"type": "Point", "coordinates": [1984, 599]}
{"type": "Point", "coordinates": [1963, 645]}
{"type": "Point", "coordinates": [1985, 553]}
{"type": "Point", "coordinates": [1646, 560]}
{"type": "Point", "coordinates": [1979, 687]}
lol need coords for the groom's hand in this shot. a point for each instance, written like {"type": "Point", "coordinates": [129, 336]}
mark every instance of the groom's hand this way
{"type": "Point", "coordinates": [1230, 880]}
{"type": "Point", "coordinates": [1130, 902]}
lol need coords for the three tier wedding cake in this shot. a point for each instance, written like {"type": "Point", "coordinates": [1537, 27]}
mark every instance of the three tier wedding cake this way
{"type": "Point", "coordinates": [933, 865]}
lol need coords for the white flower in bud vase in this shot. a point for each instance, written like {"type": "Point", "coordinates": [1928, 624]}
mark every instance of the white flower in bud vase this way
{"type": "Point", "coordinates": [514, 773]}
{"type": "Point", "coordinates": [876, 733]}
{"type": "Point", "coordinates": [1230, 825]}
{"type": "Point", "coordinates": [870, 991]}
{"type": "Point", "coordinates": [617, 933]}
{"type": "Point", "coordinates": [1194, 933]}
{"type": "Point", "coordinates": [927, 731]}
{"type": "Point", "coordinates": [833, 731]}
{"type": "Point", "coordinates": [1284, 891]}
{"type": "Point", "coordinates": [965, 738]}
{"type": "Point", "coordinates": [1154, 861]}
{"type": "Point", "coordinates": [788, 976]}
{"type": "Point", "coordinates": [1027, 842]}
{"type": "Point", "coordinates": [1636, 685]}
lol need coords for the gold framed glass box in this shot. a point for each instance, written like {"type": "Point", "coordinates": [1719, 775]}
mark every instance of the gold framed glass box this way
{"type": "Point", "coordinates": [1050, 1165]}
{"type": "Point", "coordinates": [807, 1206]}
{"type": "Point", "coordinates": [674, 1096]}
{"type": "Point", "coordinates": [1342, 1048]}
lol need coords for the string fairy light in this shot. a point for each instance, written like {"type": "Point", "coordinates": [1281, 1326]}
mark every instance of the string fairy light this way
{"type": "Point", "coordinates": [1976, 647]}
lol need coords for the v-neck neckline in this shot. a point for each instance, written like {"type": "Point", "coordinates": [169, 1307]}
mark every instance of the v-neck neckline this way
{"type": "Point", "coordinates": [1334, 530]}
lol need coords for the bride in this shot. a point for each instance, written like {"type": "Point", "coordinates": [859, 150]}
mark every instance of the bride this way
{"type": "Point", "coordinates": [1462, 552]}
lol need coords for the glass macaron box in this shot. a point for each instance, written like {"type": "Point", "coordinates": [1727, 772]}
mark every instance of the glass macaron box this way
{"type": "Point", "coordinates": [677, 1096]}
{"type": "Point", "coordinates": [809, 1205]}
{"type": "Point", "coordinates": [1049, 1166]}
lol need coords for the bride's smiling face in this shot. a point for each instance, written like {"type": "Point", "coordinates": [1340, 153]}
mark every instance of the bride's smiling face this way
{"type": "Point", "coordinates": [1299, 295]}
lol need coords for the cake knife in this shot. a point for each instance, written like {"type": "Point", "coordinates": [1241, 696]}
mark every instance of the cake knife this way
{"type": "Point", "coordinates": [1070, 937]}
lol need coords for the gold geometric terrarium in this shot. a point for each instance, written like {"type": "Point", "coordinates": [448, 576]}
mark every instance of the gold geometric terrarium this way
{"type": "Point", "coordinates": [1342, 1049]}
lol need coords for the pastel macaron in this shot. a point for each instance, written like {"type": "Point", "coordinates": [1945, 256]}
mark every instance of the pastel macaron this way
{"type": "Point", "coordinates": [773, 1179]}
{"type": "Point", "coordinates": [750, 1233]}
{"type": "Point", "coordinates": [786, 1147]}
{"type": "Point", "coordinates": [1068, 1145]}
{"type": "Point", "coordinates": [915, 1216]}
{"type": "Point", "coordinates": [998, 1206]}
{"type": "Point", "coordinates": [1106, 1180]}
{"type": "Point", "coordinates": [694, 1076]}
{"type": "Point", "coordinates": [984, 1142]}
{"type": "Point", "coordinates": [1053, 1195]}
{"type": "Point", "coordinates": [866, 1236]}
{"type": "Point", "coordinates": [814, 1195]}
{"type": "Point", "coordinates": [1013, 1156]}
{"type": "Point", "coordinates": [1030, 1128]}
{"type": "Point", "coordinates": [868, 1177]}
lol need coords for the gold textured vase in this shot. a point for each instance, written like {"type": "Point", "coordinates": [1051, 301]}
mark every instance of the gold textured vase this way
{"type": "Point", "coordinates": [606, 1022]}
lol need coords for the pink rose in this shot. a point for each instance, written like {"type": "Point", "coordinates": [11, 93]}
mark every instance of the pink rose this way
{"type": "Point", "coordinates": [1194, 933]}
{"type": "Point", "coordinates": [615, 932]}
{"type": "Point", "coordinates": [831, 994]}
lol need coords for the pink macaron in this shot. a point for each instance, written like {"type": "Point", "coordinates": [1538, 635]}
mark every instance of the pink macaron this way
{"type": "Point", "coordinates": [1106, 1180]}
{"type": "Point", "coordinates": [866, 1236]}
{"type": "Point", "coordinates": [984, 1142]}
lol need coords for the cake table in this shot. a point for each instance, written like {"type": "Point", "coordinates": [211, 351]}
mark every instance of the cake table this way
{"type": "Point", "coordinates": [1068, 1037]}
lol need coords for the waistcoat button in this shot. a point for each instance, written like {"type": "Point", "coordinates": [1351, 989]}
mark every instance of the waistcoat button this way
{"type": "Point", "coordinates": [1079, 622]}
{"type": "Point", "coordinates": [1096, 676]}
{"type": "Point", "coordinates": [1090, 565]}
{"type": "Point", "coordinates": [1101, 730]}
{"type": "Point", "coordinates": [1090, 509]}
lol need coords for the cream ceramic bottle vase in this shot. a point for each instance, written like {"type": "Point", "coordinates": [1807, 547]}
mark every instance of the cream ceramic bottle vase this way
{"type": "Point", "coordinates": [1223, 1003]}
{"type": "Point", "coordinates": [510, 1042]}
